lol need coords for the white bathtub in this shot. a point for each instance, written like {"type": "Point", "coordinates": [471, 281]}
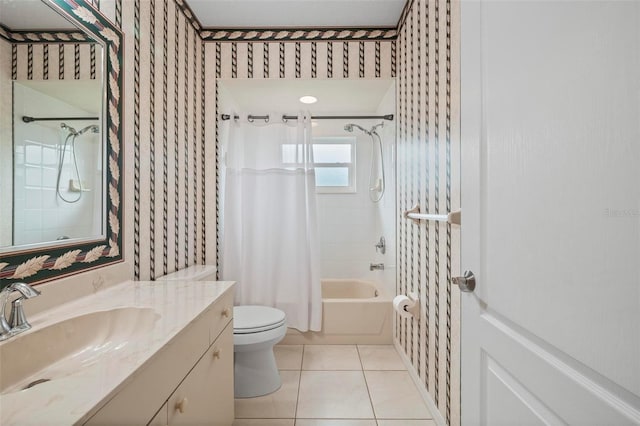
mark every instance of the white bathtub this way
{"type": "Point", "coordinates": [353, 312]}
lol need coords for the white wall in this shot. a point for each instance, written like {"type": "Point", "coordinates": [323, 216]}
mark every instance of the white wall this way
{"type": "Point", "coordinates": [39, 214]}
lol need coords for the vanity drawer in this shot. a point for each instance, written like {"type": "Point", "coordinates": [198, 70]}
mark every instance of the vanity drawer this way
{"type": "Point", "coordinates": [205, 397]}
{"type": "Point", "coordinates": [220, 314]}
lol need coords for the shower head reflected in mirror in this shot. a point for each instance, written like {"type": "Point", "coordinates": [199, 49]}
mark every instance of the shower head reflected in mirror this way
{"type": "Point", "coordinates": [93, 128]}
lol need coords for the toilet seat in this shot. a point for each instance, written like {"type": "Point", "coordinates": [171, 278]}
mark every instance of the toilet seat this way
{"type": "Point", "coordinates": [251, 319]}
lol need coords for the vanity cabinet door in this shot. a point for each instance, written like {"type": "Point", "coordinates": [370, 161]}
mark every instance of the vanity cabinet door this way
{"type": "Point", "coordinates": [160, 419]}
{"type": "Point", "coordinates": [205, 396]}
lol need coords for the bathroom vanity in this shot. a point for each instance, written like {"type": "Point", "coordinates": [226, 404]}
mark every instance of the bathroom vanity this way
{"type": "Point", "coordinates": [138, 353]}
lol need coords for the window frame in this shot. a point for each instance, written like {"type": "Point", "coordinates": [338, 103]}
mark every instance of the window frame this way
{"type": "Point", "coordinates": [351, 166]}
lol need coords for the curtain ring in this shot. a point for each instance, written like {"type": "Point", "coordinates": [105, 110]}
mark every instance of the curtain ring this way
{"type": "Point", "coordinates": [250, 118]}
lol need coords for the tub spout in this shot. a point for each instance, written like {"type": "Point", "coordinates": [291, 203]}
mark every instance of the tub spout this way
{"type": "Point", "coordinates": [376, 266]}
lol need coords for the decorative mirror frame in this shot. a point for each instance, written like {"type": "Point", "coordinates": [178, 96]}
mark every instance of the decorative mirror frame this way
{"type": "Point", "coordinates": [44, 264]}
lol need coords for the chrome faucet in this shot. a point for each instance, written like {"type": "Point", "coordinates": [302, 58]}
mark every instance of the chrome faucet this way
{"type": "Point", "coordinates": [17, 321]}
{"type": "Point", "coordinates": [381, 245]}
{"type": "Point", "coordinates": [378, 266]}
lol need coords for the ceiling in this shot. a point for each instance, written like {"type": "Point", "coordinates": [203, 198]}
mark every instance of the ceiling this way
{"type": "Point", "coordinates": [31, 15]}
{"type": "Point", "coordinates": [297, 13]}
{"type": "Point", "coordinates": [335, 97]}
{"type": "Point", "coordinates": [23, 15]}
{"type": "Point", "coordinates": [83, 94]}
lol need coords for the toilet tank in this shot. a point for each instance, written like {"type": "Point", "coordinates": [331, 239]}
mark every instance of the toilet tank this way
{"type": "Point", "coordinates": [192, 273]}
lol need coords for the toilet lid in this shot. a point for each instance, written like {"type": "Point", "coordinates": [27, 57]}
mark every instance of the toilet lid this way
{"type": "Point", "coordinates": [253, 319]}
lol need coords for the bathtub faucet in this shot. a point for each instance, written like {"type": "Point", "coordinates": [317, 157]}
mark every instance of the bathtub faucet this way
{"type": "Point", "coordinates": [376, 266]}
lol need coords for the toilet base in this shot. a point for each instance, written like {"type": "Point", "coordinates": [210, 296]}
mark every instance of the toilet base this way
{"type": "Point", "coordinates": [256, 373]}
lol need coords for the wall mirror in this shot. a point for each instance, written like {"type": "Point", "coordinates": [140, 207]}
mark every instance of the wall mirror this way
{"type": "Point", "coordinates": [60, 136]}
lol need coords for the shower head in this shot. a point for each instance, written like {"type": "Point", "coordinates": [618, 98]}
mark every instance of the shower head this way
{"type": "Point", "coordinates": [349, 128]}
{"type": "Point", "coordinates": [93, 128]}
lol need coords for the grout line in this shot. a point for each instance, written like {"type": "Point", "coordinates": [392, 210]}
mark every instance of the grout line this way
{"type": "Point", "coordinates": [373, 410]}
{"type": "Point", "coordinates": [295, 413]}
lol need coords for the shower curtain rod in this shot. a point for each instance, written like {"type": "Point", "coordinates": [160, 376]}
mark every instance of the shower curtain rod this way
{"type": "Point", "coordinates": [28, 119]}
{"type": "Point", "coordinates": [313, 117]}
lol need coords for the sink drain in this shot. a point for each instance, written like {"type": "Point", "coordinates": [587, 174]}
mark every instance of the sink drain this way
{"type": "Point", "coordinates": [35, 383]}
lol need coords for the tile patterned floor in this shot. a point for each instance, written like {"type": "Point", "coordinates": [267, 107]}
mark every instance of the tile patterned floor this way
{"type": "Point", "coordinates": [338, 385]}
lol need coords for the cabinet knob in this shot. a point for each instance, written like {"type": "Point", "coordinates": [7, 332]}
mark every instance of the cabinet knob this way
{"type": "Point", "coordinates": [181, 405]}
{"type": "Point", "coordinates": [216, 353]}
{"type": "Point", "coordinates": [226, 312]}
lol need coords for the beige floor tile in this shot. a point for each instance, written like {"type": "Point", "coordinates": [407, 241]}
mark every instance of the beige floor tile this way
{"type": "Point", "coordinates": [380, 357]}
{"type": "Point", "coordinates": [288, 357]}
{"type": "Point", "coordinates": [264, 422]}
{"type": "Point", "coordinates": [333, 395]}
{"type": "Point", "coordinates": [406, 422]}
{"type": "Point", "coordinates": [395, 396]}
{"type": "Point", "coordinates": [331, 357]}
{"type": "Point", "coordinates": [279, 405]}
{"type": "Point", "coordinates": [334, 422]}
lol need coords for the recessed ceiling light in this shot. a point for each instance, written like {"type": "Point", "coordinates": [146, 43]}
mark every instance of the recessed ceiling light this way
{"type": "Point", "coordinates": [308, 99]}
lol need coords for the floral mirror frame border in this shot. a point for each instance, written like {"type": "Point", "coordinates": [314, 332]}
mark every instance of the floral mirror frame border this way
{"type": "Point", "coordinates": [44, 264]}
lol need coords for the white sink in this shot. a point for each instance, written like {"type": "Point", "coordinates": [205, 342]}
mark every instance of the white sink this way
{"type": "Point", "coordinates": [68, 346]}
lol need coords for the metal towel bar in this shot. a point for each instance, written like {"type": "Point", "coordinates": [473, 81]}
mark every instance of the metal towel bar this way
{"type": "Point", "coordinates": [414, 214]}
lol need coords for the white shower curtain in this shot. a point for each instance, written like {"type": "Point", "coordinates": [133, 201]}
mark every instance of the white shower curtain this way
{"type": "Point", "coordinates": [270, 242]}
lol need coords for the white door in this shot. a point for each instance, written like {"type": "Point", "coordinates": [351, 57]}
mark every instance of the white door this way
{"type": "Point", "coordinates": [551, 201]}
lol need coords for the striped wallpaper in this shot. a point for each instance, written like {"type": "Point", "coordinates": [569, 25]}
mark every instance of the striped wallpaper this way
{"type": "Point", "coordinates": [55, 61]}
{"type": "Point", "coordinates": [166, 155]}
{"type": "Point", "coordinates": [428, 150]}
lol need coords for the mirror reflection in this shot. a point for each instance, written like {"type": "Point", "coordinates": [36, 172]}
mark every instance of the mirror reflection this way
{"type": "Point", "coordinates": [51, 139]}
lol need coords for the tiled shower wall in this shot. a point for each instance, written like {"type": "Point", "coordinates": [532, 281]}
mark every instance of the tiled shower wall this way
{"type": "Point", "coordinates": [428, 157]}
{"type": "Point", "coordinates": [290, 59]}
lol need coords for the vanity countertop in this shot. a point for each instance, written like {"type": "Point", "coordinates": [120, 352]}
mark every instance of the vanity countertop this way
{"type": "Point", "coordinates": [73, 398]}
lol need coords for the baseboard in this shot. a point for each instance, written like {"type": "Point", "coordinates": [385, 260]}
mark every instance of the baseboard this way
{"type": "Point", "coordinates": [431, 405]}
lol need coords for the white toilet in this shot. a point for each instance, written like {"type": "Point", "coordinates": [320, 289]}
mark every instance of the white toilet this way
{"type": "Point", "coordinates": [256, 329]}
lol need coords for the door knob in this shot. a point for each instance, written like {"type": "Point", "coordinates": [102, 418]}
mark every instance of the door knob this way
{"type": "Point", "coordinates": [467, 282]}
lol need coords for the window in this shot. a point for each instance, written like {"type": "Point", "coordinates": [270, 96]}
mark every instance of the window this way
{"type": "Point", "coordinates": [334, 161]}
